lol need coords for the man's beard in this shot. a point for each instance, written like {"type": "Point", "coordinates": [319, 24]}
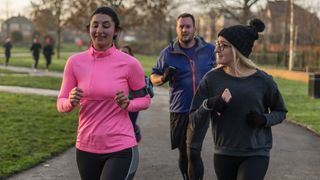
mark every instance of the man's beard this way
{"type": "Point", "coordinates": [186, 39]}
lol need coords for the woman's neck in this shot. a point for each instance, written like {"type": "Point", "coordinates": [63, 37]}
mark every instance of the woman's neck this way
{"type": "Point", "coordinates": [104, 48]}
{"type": "Point", "coordinates": [240, 71]}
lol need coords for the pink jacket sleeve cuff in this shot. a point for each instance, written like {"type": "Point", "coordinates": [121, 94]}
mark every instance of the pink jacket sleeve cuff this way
{"type": "Point", "coordinates": [139, 104]}
{"type": "Point", "coordinates": [63, 105]}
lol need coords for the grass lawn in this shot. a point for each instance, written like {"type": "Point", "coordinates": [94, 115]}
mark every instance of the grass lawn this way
{"type": "Point", "coordinates": [27, 61]}
{"type": "Point", "coordinates": [147, 62]}
{"type": "Point", "coordinates": [31, 131]}
{"type": "Point", "coordinates": [302, 108]}
{"type": "Point", "coordinates": [21, 79]}
{"type": "Point", "coordinates": [43, 82]}
{"type": "Point", "coordinates": [58, 64]}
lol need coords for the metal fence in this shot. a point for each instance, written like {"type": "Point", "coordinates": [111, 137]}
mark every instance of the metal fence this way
{"type": "Point", "coordinates": [302, 61]}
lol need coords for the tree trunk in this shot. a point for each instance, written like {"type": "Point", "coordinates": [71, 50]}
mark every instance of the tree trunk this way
{"type": "Point", "coordinates": [58, 42]}
{"type": "Point", "coordinates": [58, 30]}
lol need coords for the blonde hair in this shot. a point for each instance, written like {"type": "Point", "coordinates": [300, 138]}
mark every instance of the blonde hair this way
{"type": "Point", "coordinates": [238, 59]}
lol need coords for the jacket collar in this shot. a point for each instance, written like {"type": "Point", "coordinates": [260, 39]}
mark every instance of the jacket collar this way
{"type": "Point", "coordinates": [175, 47]}
{"type": "Point", "coordinates": [101, 54]}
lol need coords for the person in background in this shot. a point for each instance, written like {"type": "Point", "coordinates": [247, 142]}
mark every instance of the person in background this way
{"type": "Point", "coordinates": [7, 50]}
{"type": "Point", "coordinates": [99, 80]}
{"type": "Point", "coordinates": [48, 52]}
{"type": "Point", "coordinates": [242, 102]}
{"type": "Point", "coordinates": [126, 49]}
{"type": "Point", "coordinates": [35, 49]}
{"type": "Point", "coordinates": [183, 64]}
{"type": "Point", "coordinates": [79, 43]}
{"type": "Point", "coordinates": [134, 115]}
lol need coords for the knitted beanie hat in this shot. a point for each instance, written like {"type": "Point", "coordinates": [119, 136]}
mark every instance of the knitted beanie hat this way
{"type": "Point", "coordinates": [243, 37]}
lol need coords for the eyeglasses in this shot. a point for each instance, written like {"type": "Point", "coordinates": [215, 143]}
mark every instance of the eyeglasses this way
{"type": "Point", "coordinates": [220, 46]}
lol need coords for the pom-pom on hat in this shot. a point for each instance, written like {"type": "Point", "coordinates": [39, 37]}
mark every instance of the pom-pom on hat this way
{"type": "Point", "coordinates": [243, 37]}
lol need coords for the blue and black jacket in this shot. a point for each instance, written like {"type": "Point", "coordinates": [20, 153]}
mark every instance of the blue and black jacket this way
{"type": "Point", "coordinates": [188, 73]}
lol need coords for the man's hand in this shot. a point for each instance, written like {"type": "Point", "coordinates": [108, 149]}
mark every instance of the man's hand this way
{"type": "Point", "coordinates": [168, 72]}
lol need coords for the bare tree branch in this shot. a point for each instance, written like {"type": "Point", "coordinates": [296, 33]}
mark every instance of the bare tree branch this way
{"type": "Point", "coordinates": [239, 10]}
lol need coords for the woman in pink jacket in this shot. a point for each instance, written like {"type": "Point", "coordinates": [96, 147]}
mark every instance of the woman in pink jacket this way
{"type": "Point", "coordinates": [98, 80]}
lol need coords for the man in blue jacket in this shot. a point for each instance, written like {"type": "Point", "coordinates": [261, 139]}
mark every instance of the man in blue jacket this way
{"type": "Point", "coordinates": [183, 63]}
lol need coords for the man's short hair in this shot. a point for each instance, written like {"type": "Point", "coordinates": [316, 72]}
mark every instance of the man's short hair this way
{"type": "Point", "coordinates": [185, 15]}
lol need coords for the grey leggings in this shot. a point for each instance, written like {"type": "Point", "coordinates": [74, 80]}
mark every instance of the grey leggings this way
{"type": "Point", "coordinates": [120, 165]}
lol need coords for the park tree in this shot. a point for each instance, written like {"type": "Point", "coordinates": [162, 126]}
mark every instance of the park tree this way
{"type": "Point", "coordinates": [135, 15]}
{"type": "Point", "coordinates": [158, 23]}
{"type": "Point", "coordinates": [40, 19]}
{"type": "Point", "coordinates": [59, 12]}
{"type": "Point", "coordinates": [147, 16]}
{"type": "Point", "coordinates": [82, 9]}
{"type": "Point", "coordinates": [239, 10]}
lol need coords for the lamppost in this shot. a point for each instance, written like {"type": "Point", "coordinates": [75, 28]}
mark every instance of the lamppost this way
{"type": "Point", "coordinates": [291, 35]}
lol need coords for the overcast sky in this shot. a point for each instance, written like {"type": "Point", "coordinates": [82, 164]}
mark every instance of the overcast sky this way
{"type": "Point", "coordinates": [13, 8]}
{"type": "Point", "coordinates": [10, 8]}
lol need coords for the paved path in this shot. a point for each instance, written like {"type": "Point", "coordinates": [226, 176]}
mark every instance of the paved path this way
{"type": "Point", "coordinates": [39, 72]}
{"type": "Point", "coordinates": [23, 90]}
{"type": "Point", "coordinates": [29, 54]}
{"type": "Point", "coordinates": [295, 155]}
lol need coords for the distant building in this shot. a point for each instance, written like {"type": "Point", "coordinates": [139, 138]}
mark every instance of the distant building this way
{"type": "Point", "coordinates": [209, 24]}
{"type": "Point", "coordinates": [276, 16]}
{"type": "Point", "coordinates": [276, 36]}
{"type": "Point", "coordinates": [17, 23]}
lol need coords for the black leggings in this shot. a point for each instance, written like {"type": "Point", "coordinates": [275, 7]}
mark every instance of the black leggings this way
{"type": "Point", "coordinates": [36, 60]}
{"type": "Point", "coordinates": [7, 59]}
{"type": "Point", "coordinates": [48, 60]}
{"type": "Point", "coordinates": [120, 165]}
{"type": "Point", "coordinates": [240, 168]}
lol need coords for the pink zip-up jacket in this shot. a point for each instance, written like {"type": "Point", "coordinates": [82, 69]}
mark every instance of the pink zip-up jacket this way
{"type": "Point", "coordinates": [103, 126]}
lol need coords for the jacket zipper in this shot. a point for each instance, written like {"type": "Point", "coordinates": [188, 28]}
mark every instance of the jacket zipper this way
{"type": "Point", "coordinates": [193, 76]}
{"type": "Point", "coordinates": [193, 73]}
{"type": "Point", "coordinates": [92, 72]}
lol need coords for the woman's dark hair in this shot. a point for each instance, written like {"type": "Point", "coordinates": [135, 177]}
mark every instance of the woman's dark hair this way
{"type": "Point", "coordinates": [110, 12]}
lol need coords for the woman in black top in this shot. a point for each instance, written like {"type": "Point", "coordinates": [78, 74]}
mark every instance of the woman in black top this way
{"type": "Point", "coordinates": [48, 52]}
{"type": "Point", "coordinates": [133, 115]}
{"type": "Point", "coordinates": [242, 103]}
{"type": "Point", "coordinates": [7, 48]}
{"type": "Point", "coordinates": [35, 48]}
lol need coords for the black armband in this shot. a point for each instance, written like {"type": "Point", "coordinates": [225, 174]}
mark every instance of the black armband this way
{"type": "Point", "coordinates": [139, 93]}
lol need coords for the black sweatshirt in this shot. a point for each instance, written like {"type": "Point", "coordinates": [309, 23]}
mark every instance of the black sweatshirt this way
{"type": "Point", "coordinates": [232, 135]}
